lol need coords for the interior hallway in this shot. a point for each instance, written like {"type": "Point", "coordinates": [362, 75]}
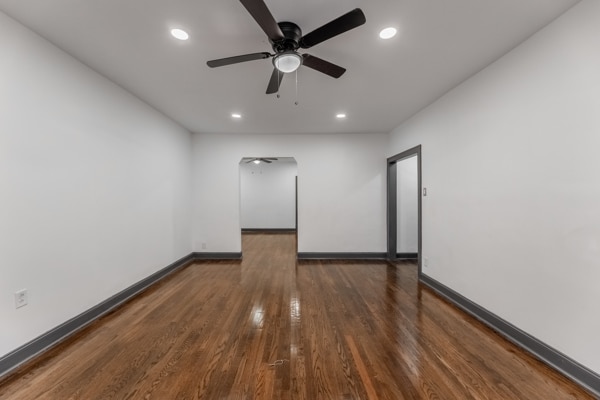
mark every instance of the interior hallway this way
{"type": "Point", "coordinates": [269, 328]}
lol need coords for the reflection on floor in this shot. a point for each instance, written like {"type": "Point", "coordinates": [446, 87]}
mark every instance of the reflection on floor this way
{"type": "Point", "coordinates": [270, 328]}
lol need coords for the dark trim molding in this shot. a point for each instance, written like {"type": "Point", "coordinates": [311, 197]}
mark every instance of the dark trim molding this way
{"type": "Point", "coordinates": [216, 256]}
{"type": "Point", "coordinates": [269, 230]}
{"type": "Point", "coordinates": [407, 256]}
{"type": "Point", "coordinates": [37, 346]}
{"type": "Point", "coordinates": [341, 256]}
{"type": "Point", "coordinates": [392, 205]}
{"type": "Point", "coordinates": [548, 355]}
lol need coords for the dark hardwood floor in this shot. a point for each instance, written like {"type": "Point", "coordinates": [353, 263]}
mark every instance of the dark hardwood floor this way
{"type": "Point", "coordinates": [269, 328]}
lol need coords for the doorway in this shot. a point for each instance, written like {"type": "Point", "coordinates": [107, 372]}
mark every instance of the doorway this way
{"type": "Point", "coordinates": [404, 190]}
{"type": "Point", "coordinates": [268, 195]}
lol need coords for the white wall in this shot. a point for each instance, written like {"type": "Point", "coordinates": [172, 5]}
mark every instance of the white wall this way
{"type": "Point", "coordinates": [268, 195]}
{"type": "Point", "coordinates": [341, 189]}
{"type": "Point", "coordinates": [94, 187]}
{"type": "Point", "coordinates": [407, 205]}
{"type": "Point", "coordinates": [511, 165]}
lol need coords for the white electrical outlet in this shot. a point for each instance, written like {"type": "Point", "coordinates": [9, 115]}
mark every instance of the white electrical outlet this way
{"type": "Point", "coordinates": [21, 298]}
{"type": "Point", "coordinates": [203, 246]}
{"type": "Point", "coordinates": [426, 263]}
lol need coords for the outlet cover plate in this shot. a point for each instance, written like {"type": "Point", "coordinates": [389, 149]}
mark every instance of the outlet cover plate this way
{"type": "Point", "coordinates": [21, 298]}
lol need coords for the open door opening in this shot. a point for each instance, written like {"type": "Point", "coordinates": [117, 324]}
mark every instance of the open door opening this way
{"type": "Point", "coordinates": [404, 206]}
{"type": "Point", "coordinates": [268, 195]}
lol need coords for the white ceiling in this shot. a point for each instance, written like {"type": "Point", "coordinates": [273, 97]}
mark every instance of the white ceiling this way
{"type": "Point", "coordinates": [440, 44]}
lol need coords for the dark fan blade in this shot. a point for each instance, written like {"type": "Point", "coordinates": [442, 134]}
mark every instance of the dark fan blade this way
{"type": "Point", "coordinates": [237, 59]}
{"type": "Point", "coordinates": [323, 66]}
{"type": "Point", "coordinates": [267, 160]}
{"type": "Point", "coordinates": [339, 25]}
{"type": "Point", "coordinates": [275, 81]}
{"type": "Point", "coordinates": [261, 14]}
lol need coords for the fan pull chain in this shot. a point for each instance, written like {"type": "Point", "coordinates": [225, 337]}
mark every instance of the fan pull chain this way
{"type": "Point", "coordinates": [296, 102]}
{"type": "Point", "coordinates": [278, 80]}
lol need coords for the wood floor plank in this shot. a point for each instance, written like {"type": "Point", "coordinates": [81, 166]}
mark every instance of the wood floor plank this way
{"type": "Point", "coordinates": [269, 327]}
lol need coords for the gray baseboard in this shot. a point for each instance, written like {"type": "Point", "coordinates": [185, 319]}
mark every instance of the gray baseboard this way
{"type": "Point", "coordinates": [407, 256]}
{"type": "Point", "coordinates": [216, 256]}
{"type": "Point", "coordinates": [341, 256]}
{"type": "Point", "coordinates": [548, 355]}
{"type": "Point", "coordinates": [268, 230]}
{"type": "Point", "coordinates": [39, 345]}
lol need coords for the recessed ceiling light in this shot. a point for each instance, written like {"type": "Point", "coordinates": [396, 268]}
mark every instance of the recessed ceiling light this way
{"type": "Point", "coordinates": [179, 34]}
{"type": "Point", "coordinates": [340, 116]}
{"type": "Point", "coordinates": [236, 115]}
{"type": "Point", "coordinates": [388, 33]}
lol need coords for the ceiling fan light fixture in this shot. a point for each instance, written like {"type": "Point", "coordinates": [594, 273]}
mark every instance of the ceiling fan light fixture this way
{"type": "Point", "coordinates": [287, 62]}
{"type": "Point", "coordinates": [256, 161]}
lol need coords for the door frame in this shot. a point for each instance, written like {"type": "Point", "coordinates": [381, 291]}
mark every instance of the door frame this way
{"type": "Point", "coordinates": [392, 203]}
{"type": "Point", "coordinates": [295, 229]}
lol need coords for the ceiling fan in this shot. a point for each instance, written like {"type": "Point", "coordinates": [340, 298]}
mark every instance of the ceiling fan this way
{"type": "Point", "coordinates": [286, 38]}
{"type": "Point", "coordinates": [258, 160]}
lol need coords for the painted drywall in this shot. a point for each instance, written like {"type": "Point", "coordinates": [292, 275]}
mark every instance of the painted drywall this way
{"type": "Point", "coordinates": [341, 189]}
{"type": "Point", "coordinates": [407, 199]}
{"type": "Point", "coordinates": [510, 162]}
{"type": "Point", "coordinates": [268, 195]}
{"type": "Point", "coordinates": [95, 187]}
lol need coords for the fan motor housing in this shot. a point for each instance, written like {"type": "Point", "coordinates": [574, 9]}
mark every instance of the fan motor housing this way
{"type": "Point", "coordinates": [292, 35]}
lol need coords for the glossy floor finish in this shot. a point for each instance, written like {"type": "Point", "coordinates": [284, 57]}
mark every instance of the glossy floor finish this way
{"type": "Point", "coordinates": [267, 328]}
